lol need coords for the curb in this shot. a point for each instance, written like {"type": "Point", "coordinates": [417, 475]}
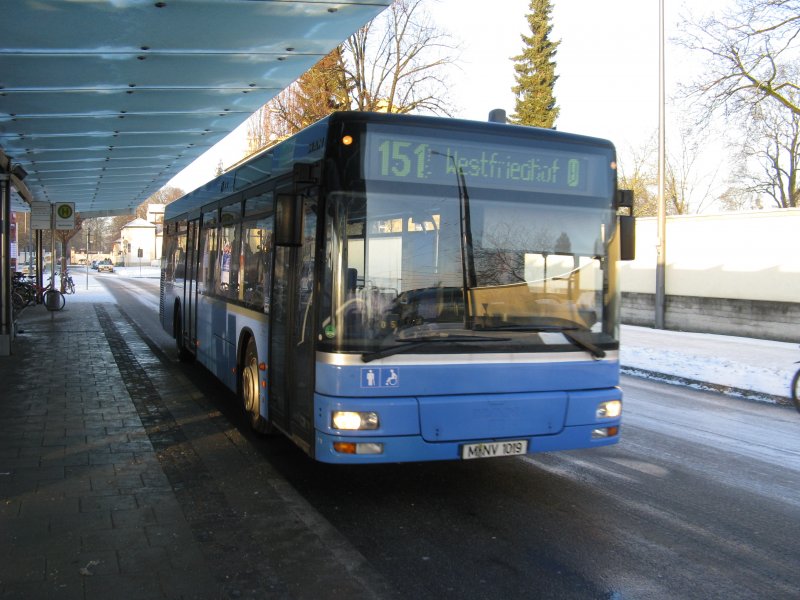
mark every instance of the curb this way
{"type": "Point", "coordinates": [727, 390]}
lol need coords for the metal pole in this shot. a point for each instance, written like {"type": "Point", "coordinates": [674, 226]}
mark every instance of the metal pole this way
{"type": "Point", "coordinates": [660, 316]}
{"type": "Point", "coordinates": [87, 256]}
{"type": "Point", "coordinates": [6, 315]}
{"type": "Point", "coordinates": [30, 243]}
{"type": "Point", "coordinates": [52, 251]}
{"type": "Point", "coordinates": [39, 264]}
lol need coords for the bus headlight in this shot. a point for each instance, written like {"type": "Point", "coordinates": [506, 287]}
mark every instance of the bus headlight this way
{"type": "Point", "coordinates": [350, 420]}
{"type": "Point", "coordinates": [609, 410]}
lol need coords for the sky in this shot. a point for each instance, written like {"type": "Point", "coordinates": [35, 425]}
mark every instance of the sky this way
{"type": "Point", "coordinates": [607, 67]}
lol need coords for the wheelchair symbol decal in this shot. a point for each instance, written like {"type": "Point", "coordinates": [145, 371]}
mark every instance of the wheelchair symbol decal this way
{"type": "Point", "coordinates": [372, 377]}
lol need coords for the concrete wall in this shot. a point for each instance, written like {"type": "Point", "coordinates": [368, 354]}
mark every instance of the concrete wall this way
{"type": "Point", "coordinates": [735, 274]}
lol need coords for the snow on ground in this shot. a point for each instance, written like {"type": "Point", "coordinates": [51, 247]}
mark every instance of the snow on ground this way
{"type": "Point", "coordinates": [728, 363]}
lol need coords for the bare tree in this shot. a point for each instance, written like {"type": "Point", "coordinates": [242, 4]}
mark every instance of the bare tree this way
{"type": "Point", "coordinates": [114, 225]}
{"type": "Point", "coordinates": [771, 158]}
{"type": "Point", "coordinates": [686, 190]}
{"type": "Point", "coordinates": [738, 198]}
{"type": "Point", "coordinates": [396, 63]}
{"type": "Point", "coordinates": [752, 54]}
{"type": "Point", "coordinates": [639, 174]}
{"type": "Point", "coordinates": [313, 96]}
{"type": "Point", "coordinates": [165, 195]}
{"type": "Point", "coordinates": [100, 232]}
{"type": "Point", "coordinates": [753, 69]}
{"type": "Point", "coordinates": [63, 236]}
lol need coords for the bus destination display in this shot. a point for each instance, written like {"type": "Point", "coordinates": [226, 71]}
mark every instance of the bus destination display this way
{"type": "Point", "coordinates": [398, 157]}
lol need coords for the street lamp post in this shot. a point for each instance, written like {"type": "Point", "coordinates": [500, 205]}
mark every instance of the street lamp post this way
{"type": "Point", "coordinates": [661, 268]}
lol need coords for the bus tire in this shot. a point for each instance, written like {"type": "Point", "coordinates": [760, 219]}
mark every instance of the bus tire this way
{"type": "Point", "coordinates": [249, 389]}
{"type": "Point", "coordinates": [183, 352]}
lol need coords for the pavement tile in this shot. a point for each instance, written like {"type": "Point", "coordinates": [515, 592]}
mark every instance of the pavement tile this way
{"type": "Point", "coordinates": [81, 564]}
{"type": "Point", "coordinates": [103, 456]}
{"type": "Point", "coordinates": [35, 505]}
{"type": "Point", "coordinates": [40, 473]}
{"type": "Point", "coordinates": [80, 522]}
{"type": "Point", "coordinates": [124, 586]}
{"type": "Point", "coordinates": [107, 503]}
{"type": "Point", "coordinates": [8, 450]}
{"type": "Point", "coordinates": [201, 587]}
{"type": "Point", "coordinates": [23, 568]}
{"type": "Point", "coordinates": [13, 530]}
{"type": "Point", "coordinates": [63, 440]}
{"type": "Point", "coordinates": [174, 538]}
{"type": "Point", "coordinates": [66, 457]}
{"type": "Point", "coordinates": [57, 590]}
{"type": "Point", "coordinates": [148, 560]}
{"type": "Point", "coordinates": [134, 517]}
{"type": "Point", "coordinates": [19, 462]}
{"type": "Point", "coordinates": [90, 471]}
{"type": "Point", "coordinates": [69, 486]}
{"type": "Point", "coordinates": [113, 539]}
{"type": "Point", "coordinates": [9, 506]}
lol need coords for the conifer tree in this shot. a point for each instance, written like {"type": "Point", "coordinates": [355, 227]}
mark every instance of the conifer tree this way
{"type": "Point", "coordinates": [535, 71]}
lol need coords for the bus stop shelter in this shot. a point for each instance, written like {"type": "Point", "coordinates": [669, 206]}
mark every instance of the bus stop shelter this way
{"type": "Point", "coordinates": [102, 103]}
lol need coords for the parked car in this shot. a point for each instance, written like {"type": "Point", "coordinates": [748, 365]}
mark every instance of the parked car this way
{"type": "Point", "coordinates": [105, 266]}
{"type": "Point", "coordinates": [94, 265]}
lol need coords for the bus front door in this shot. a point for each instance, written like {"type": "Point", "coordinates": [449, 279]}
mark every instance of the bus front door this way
{"type": "Point", "coordinates": [292, 357]}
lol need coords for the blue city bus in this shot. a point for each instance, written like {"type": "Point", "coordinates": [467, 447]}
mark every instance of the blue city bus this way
{"type": "Point", "coordinates": [392, 288]}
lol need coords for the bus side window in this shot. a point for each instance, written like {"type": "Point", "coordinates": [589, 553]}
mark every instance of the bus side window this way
{"type": "Point", "coordinates": [229, 261]}
{"type": "Point", "coordinates": [256, 256]}
{"type": "Point", "coordinates": [207, 259]}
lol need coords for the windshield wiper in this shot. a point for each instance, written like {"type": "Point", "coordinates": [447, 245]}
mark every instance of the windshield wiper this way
{"type": "Point", "coordinates": [534, 328]}
{"type": "Point", "coordinates": [468, 274]}
{"type": "Point", "coordinates": [573, 333]}
{"type": "Point", "coordinates": [584, 343]}
{"type": "Point", "coordinates": [409, 344]}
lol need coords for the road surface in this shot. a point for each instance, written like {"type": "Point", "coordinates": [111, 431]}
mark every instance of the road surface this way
{"type": "Point", "coordinates": [699, 500]}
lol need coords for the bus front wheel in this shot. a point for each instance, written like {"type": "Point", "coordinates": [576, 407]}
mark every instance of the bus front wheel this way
{"type": "Point", "coordinates": [249, 390]}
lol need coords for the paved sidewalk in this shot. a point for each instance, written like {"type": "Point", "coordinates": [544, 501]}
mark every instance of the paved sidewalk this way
{"type": "Point", "coordinates": [119, 480]}
{"type": "Point", "coordinates": [86, 508]}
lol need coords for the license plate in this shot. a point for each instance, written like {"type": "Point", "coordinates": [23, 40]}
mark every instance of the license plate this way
{"type": "Point", "coordinates": [492, 449]}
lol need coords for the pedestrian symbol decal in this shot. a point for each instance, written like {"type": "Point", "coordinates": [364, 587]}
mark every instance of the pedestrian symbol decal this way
{"type": "Point", "coordinates": [373, 377]}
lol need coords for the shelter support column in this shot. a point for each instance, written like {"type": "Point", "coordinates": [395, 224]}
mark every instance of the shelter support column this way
{"type": "Point", "coordinates": [6, 315]}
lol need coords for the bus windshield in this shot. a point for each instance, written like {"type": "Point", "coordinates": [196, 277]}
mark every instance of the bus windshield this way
{"type": "Point", "coordinates": [456, 240]}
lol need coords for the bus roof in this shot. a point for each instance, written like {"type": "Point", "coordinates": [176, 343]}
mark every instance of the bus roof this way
{"type": "Point", "coordinates": [308, 146]}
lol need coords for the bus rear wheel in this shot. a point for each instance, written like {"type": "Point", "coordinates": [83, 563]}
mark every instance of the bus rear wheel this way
{"type": "Point", "coordinates": [249, 390]}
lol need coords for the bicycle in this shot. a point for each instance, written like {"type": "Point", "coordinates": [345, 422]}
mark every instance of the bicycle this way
{"type": "Point", "coordinates": [23, 291]}
{"type": "Point", "coordinates": [66, 283]}
{"type": "Point", "coordinates": [796, 389]}
{"type": "Point", "coordinates": [26, 292]}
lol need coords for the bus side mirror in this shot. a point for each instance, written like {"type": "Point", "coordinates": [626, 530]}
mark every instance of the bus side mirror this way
{"type": "Point", "coordinates": [627, 237]}
{"type": "Point", "coordinates": [288, 220]}
{"type": "Point", "coordinates": [625, 199]}
{"type": "Point", "coordinates": [627, 225]}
